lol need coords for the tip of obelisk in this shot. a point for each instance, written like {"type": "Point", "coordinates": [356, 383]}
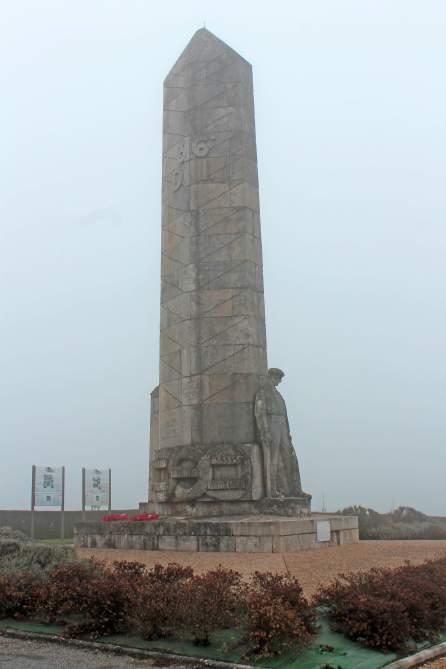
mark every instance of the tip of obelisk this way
{"type": "Point", "coordinates": [205, 34]}
{"type": "Point", "coordinates": [203, 47]}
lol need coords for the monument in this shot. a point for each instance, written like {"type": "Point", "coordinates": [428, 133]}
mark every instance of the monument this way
{"type": "Point", "coordinates": [211, 451]}
{"type": "Point", "coordinates": [223, 471]}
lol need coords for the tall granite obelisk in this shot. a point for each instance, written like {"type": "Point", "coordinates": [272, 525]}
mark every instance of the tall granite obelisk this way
{"type": "Point", "coordinates": [224, 474]}
{"type": "Point", "coordinates": [206, 455]}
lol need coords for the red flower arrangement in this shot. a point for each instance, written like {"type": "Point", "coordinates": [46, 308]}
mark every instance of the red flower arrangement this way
{"type": "Point", "coordinates": [145, 516]}
{"type": "Point", "coordinates": [123, 516]}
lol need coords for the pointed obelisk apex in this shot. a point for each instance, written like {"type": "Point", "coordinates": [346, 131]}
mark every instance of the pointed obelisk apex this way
{"type": "Point", "coordinates": [203, 47]}
{"type": "Point", "coordinates": [206, 455]}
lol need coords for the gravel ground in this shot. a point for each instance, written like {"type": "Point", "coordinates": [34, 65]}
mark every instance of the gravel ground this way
{"type": "Point", "coordinates": [311, 567]}
{"type": "Point", "coordinates": [20, 654]}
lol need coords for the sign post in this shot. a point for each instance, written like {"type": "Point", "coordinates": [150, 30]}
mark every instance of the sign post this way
{"type": "Point", "coordinates": [62, 509]}
{"type": "Point", "coordinates": [48, 489]}
{"type": "Point", "coordinates": [33, 499]}
{"type": "Point", "coordinates": [83, 493]}
{"type": "Point", "coordinates": [96, 489]}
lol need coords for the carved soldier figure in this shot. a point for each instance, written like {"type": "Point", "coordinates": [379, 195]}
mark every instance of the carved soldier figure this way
{"type": "Point", "coordinates": [282, 478]}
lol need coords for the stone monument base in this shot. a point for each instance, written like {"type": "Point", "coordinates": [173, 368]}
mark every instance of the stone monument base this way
{"type": "Point", "coordinates": [296, 507]}
{"type": "Point", "coordinates": [239, 534]}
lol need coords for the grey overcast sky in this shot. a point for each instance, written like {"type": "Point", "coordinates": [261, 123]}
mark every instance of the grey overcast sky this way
{"type": "Point", "coordinates": [351, 111]}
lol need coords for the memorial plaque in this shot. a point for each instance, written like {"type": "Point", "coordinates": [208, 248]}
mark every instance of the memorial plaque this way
{"type": "Point", "coordinates": [323, 530]}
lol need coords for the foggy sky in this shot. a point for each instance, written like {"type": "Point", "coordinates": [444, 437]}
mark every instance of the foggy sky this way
{"type": "Point", "coordinates": [352, 188]}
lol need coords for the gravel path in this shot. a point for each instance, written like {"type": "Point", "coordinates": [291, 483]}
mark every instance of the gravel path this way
{"type": "Point", "coordinates": [21, 654]}
{"type": "Point", "coordinates": [311, 567]}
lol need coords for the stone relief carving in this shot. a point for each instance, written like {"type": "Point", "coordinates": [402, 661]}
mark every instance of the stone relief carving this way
{"type": "Point", "coordinates": [281, 469]}
{"type": "Point", "coordinates": [183, 151]}
{"type": "Point", "coordinates": [198, 147]}
{"type": "Point", "coordinates": [189, 474]}
{"type": "Point", "coordinates": [234, 472]}
{"type": "Point", "coordinates": [178, 177]}
{"type": "Point", "coordinates": [220, 472]}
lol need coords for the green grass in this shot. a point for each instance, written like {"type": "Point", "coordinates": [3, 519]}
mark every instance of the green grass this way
{"type": "Point", "coordinates": [344, 654]}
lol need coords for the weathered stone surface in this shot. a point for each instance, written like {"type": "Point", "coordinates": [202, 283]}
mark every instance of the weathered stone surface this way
{"type": "Point", "coordinates": [282, 477]}
{"type": "Point", "coordinates": [217, 544]}
{"type": "Point", "coordinates": [292, 507]}
{"type": "Point", "coordinates": [247, 534]}
{"type": "Point", "coordinates": [177, 543]}
{"type": "Point", "coordinates": [254, 544]}
{"type": "Point", "coordinates": [215, 398]}
{"type": "Point", "coordinates": [213, 342]}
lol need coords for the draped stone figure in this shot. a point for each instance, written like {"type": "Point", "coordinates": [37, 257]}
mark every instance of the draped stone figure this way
{"type": "Point", "coordinates": [281, 469]}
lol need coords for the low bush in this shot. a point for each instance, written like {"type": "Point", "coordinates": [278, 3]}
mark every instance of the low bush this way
{"type": "Point", "coordinates": [7, 532]}
{"type": "Point", "coordinates": [214, 601]}
{"type": "Point", "coordinates": [277, 614]}
{"type": "Point", "coordinates": [38, 559]}
{"type": "Point", "coordinates": [129, 570]}
{"type": "Point", "coordinates": [385, 609]}
{"type": "Point", "coordinates": [19, 595]}
{"type": "Point", "coordinates": [388, 609]}
{"type": "Point", "coordinates": [402, 531]}
{"type": "Point", "coordinates": [161, 601]}
{"type": "Point", "coordinates": [401, 524]}
{"type": "Point", "coordinates": [87, 598]}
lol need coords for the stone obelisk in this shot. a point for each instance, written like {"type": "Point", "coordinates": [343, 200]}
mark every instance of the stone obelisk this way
{"type": "Point", "coordinates": [224, 474]}
{"type": "Point", "coordinates": [205, 455]}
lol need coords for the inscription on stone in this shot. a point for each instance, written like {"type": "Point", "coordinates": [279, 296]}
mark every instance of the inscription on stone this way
{"type": "Point", "coordinates": [183, 151]}
{"type": "Point", "coordinates": [200, 147]}
{"type": "Point", "coordinates": [227, 484]}
{"type": "Point", "coordinates": [184, 473]}
{"type": "Point", "coordinates": [178, 177]}
{"type": "Point", "coordinates": [226, 459]}
{"type": "Point", "coordinates": [160, 486]}
{"type": "Point", "coordinates": [160, 464]}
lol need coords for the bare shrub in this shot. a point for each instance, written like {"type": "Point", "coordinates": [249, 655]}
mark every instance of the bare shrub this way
{"type": "Point", "coordinates": [388, 609]}
{"type": "Point", "coordinates": [87, 598]}
{"type": "Point", "coordinates": [19, 595]}
{"type": "Point", "coordinates": [214, 601]}
{"type": "Point", "coordinates": [277, 614]}
{"type": "Point", "coordinates": [161, 600]}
